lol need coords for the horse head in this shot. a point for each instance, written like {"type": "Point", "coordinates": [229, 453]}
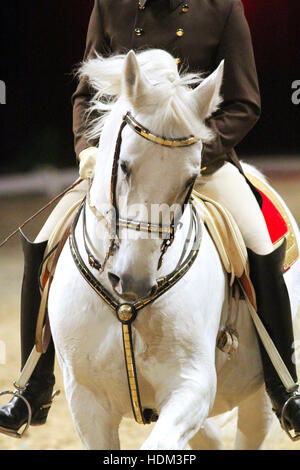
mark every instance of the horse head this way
{"type": "Point", "coordinates": [155, 166]}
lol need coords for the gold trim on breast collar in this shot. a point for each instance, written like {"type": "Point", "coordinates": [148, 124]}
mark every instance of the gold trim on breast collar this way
{"type": "Point", "coordinates": [127, 313]}
{"type": "Point", "coordinates": [166, 142]}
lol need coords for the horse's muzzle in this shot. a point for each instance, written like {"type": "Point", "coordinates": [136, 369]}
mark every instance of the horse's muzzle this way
{"type": "Point", "coordinates": [130, 289]}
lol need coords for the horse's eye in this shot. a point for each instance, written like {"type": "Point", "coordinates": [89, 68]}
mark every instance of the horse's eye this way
{"type": "Point", "coordinates": [125, 168]}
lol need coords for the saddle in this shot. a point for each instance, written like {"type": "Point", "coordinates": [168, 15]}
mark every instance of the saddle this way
{"type": "Point", "coordinates": [229, 241]}
{"type": "Point", "coordinates": [233, 253]}
{"type": "Point", "coordinates": [277, 220]}
{"type": "Point", "coordinates": [53, 251]}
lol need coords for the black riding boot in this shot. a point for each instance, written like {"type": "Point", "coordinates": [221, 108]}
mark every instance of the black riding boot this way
{"type": "Point", "coordinates": [39, 389]}
{"type": "Point", "coordinates": [274, 310]}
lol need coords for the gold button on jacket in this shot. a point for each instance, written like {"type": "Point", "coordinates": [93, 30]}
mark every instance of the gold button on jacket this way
{"type": "Point", "coordinates": [139, 31]}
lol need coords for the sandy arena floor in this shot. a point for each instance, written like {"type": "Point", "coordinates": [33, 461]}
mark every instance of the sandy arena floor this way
{"type": "Point", "coordinates": [59, 432]}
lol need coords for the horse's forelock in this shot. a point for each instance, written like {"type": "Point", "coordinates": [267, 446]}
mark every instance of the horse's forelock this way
{"type": "Point", "coordinates": [170, 91]}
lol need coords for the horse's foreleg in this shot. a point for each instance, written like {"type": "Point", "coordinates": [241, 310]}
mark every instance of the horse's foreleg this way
{"type": "Point", "coordinates": [254, 419]}
{"type": "Point", "coordinates": [209, 437]}
{"type": "Point", "coordinates": [181, 415]}
{"type": "Point", "coordinates": [95, 423]}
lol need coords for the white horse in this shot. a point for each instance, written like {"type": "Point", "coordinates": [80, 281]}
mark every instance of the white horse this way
{"type": "Point", "coordinates": [181, 373]}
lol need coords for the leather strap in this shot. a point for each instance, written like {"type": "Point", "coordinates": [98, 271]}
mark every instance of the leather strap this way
{"type": "Point", "coordinates": [126, 313]}
{"type": "Point", "coordinates": [280, 367]}
{"type": "Point", "coordinates": [43, 332]}
{"type": "Point", "coordinates": [156, 139]}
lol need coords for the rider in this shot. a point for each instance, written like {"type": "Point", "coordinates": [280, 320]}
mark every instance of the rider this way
{"type": "Point", "coordinates": [199, 34]}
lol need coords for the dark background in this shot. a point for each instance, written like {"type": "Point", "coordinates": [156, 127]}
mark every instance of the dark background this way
{"type": "Point", "coordinates": [41, 42]}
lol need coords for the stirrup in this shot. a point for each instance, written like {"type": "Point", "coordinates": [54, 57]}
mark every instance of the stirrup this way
{"type": "Point", "coordinates": [284, 424]}
{"type": "Point", "coordinates": [17, 394]}
{"type": "Point", "coordinates": [10, 432]}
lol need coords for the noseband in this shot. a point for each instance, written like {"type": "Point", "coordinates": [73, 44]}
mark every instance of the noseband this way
{"type": "Point", "coordinates": [166, 232]}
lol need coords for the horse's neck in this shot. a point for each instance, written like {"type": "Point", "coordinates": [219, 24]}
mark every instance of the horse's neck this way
{"type": "Point", "coordinates": [99, 197]}
{"type": "Point", "coordinates": [100, 191]}
{"type": "Point", "coordinates": [97, 227]}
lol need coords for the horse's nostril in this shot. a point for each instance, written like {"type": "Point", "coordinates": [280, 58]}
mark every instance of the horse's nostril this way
{"type": "Point", "coordinates": [153, 290]}
{"type": "Point", "coordinates": [114, 280]}
{"type": "Point", "coordinates": [126, 286]}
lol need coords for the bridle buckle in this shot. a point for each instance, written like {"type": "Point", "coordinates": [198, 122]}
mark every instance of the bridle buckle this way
{"type": "Point", "coordinates": [94, 263]}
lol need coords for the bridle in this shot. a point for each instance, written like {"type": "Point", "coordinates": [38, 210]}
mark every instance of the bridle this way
{"type": "Point", "coordinates": [126, 313]}
{"type": "Point", "coordinates": [166, 232]}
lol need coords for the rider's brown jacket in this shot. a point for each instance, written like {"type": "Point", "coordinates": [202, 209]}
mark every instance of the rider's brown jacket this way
{"type": "Point", "coordinates": [200, 33]}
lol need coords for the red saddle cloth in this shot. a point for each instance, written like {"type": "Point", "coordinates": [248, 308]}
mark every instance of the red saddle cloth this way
{"type": "Point", "coordinates": [276, 224]}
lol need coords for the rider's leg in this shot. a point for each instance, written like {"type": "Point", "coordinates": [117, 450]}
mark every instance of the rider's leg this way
{"type": "Point", "coordinates": [40, 386]}
{"type": "Point", "coordinates": [230, 188]}
{"type": "Point", "coordinates": [38, 392]}
{"type": "Point", "coordinates": [72, 197]}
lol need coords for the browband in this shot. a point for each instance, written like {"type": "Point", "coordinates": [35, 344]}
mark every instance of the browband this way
{"type": "Point", "coordinates": [171, 142]}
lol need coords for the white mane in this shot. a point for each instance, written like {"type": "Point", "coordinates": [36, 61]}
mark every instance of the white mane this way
{"type": "Point", "coordinates": [171, 106]}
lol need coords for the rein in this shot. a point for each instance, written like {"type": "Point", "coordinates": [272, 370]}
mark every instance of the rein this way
{"type": "Point", "coordinates": [126, 313]}
{"type": "Point", "coordinates": [36, 214]}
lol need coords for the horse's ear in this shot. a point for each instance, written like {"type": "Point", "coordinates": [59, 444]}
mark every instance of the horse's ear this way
{"type": "Point", "coordinates": [135, 83]}
{"type": "Point", "coordinates": [207, 94]}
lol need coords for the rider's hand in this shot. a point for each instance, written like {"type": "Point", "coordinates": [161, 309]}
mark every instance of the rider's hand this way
{"type": "Point", "coordinates": [87, 161]}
